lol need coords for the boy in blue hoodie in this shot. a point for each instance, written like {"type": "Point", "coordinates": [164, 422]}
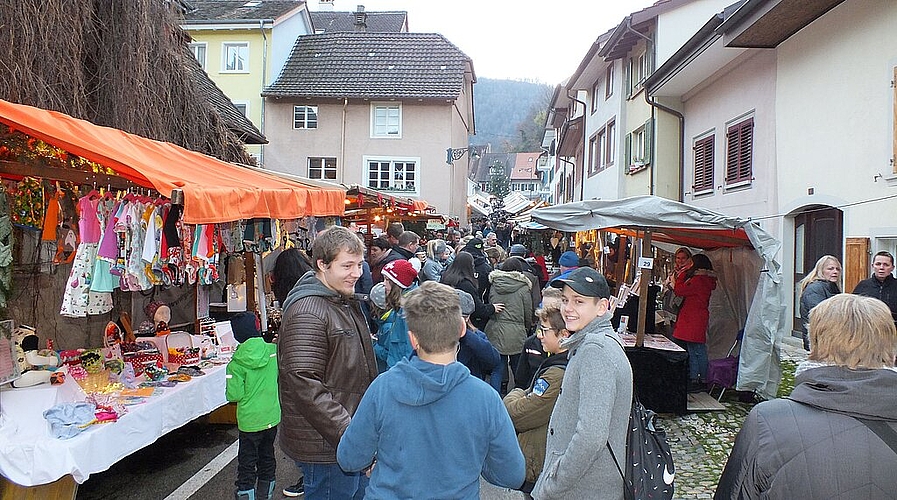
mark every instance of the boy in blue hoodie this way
{"type": "Point", "coordinates": [406, 430]}
{"type": "Point", "coordinates": [252, 384]}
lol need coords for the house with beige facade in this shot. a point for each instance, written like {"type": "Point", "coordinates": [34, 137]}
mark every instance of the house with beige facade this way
{"type": "Point", "coordinates": [375, 109]}
{"type": "Point", "coordinates": [793, 124]}
{"type": "Point", "coordinates": [613, 141]}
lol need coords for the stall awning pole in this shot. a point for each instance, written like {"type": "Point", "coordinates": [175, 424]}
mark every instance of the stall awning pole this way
{"type": "Point", "coordinates": [643, 283]}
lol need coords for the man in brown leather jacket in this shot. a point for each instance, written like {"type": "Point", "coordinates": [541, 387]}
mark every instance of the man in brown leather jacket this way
{"type": "Point", "coordinates": [326, 361]}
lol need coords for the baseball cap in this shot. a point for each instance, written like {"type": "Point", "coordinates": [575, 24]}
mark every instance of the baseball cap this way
{"type": "Point", "coordinates": [569, 259]}
{"type": "Point", "coordinates": [585, 281]}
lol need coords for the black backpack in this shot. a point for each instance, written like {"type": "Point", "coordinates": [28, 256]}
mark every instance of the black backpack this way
{"type": "Point", "coordinates": [649, 463]}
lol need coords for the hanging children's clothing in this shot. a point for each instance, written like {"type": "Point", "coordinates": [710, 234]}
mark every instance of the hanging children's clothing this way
{"type": "Point", "coordinates": [78, 300]}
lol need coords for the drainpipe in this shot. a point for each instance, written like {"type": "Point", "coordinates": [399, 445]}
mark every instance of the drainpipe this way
{"type": "Point", "coordinates": [654, 104]}
{"type": "Point", "coordinates": [264, 84]}
{"type": "Point", "coordinates": [681, 117]}
{"type": "Point", "coordinates": [582, 183]}
{"type": "Point", "coordinates": [342, 143]}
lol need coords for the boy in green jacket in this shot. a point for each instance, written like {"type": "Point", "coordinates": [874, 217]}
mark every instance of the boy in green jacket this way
{"type": "Point", "coordinates": [252, 384]}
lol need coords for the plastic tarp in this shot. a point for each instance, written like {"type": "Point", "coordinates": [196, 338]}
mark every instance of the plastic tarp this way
{"type": "Point", "coordinates": [214, 190]}
{"type": "Point", "coordinates": [749, 293]}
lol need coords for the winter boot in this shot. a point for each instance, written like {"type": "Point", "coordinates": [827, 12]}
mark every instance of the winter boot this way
{"type": "Point", "coordinates": [264, 490]}
{"type": "Point", "coordinates": [245, 495]}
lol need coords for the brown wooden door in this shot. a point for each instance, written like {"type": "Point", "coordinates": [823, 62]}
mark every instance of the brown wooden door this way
{"type": "Point", "coordinates": [856, 262]}
{"type": "Point", "coordinates": [818, 231]}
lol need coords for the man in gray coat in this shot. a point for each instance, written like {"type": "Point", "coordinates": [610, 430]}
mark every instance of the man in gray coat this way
{"type": "Point", "coordinates": [593, 408]}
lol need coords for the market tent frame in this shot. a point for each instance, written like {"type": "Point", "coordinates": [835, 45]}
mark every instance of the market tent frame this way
{"type": "Point", "coordinates": [751, 254]}
{"type": "Point", "coordinates": [214, 191]}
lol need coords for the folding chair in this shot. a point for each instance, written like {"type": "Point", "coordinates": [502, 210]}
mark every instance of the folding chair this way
{"type": "Point", "coordinates": [723, 373]}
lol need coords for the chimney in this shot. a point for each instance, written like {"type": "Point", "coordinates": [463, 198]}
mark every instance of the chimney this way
{"type": "Point", "coordinates": [360, 19]}
{"type": "Point", "coordinates": [325, 5]}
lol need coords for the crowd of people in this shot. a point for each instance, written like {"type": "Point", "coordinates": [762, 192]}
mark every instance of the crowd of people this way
{"type": "Point", "coordinates": [464, 356]}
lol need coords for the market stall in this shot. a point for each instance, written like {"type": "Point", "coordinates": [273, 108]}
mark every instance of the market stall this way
{"type": "Point", "coordinates": [749, 296]}
{"type": "Point", "coordinates": [171, 214]}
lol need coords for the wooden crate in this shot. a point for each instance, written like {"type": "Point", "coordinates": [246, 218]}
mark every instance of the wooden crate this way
{"type": "Point", "coordinates": [226, 414]}
{"type": "Point", "coordinates": [63, 489]}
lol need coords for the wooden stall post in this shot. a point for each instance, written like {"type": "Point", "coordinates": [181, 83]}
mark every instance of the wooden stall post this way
{"type": "Point", "coordinates": [643, 292]}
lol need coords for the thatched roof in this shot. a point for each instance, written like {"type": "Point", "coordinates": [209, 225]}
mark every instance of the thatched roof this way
{"type": "Point", "coordinates": [119, 64]}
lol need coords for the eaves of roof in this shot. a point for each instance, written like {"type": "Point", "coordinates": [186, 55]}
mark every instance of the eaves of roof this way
{"type": "Point", "coordinates": [767, 23]}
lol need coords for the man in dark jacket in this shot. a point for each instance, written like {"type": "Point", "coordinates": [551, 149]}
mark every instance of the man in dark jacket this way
{"type": "Point", "coordinates": [823, 441]}
{"type": "Point", "coordinates": [882, 284]}
{"type": "Point", "coordinates": [481, 267]}
{"type": "Point", "coordinates": [326, 361]}
{"type": "Point", "coordinates": [381, 253]}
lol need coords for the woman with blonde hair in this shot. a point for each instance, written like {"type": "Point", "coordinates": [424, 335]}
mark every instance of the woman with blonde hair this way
{"type": "Point", "coordinates": [820, 284]}
{"type": "Point", "coordinates": [829, 438]}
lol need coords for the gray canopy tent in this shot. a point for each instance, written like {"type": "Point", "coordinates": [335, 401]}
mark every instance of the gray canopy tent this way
{"type": "Point", "coordinates": [749, 294]}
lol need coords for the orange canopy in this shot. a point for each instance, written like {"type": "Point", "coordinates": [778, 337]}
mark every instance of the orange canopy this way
{"type": "Point", "coordinates": [214, 190]}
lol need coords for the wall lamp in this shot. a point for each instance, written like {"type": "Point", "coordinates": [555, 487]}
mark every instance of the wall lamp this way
{"type": "Point", "coordinates": [453, 154]}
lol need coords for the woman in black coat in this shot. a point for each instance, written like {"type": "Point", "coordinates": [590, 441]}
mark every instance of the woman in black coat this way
{"type": "Point", "coordinates": [460, 275]}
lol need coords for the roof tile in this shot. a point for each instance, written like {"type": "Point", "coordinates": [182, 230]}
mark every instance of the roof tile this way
{"type": "Point", "coordinates": [372, 66]}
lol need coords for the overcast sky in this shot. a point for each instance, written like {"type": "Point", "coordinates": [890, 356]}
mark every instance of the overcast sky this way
{"type": "Point", "coordinates": [518, 39]}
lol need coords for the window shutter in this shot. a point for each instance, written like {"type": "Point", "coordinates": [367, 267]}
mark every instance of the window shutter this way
{"type": "Point", "coordinates": [731, 154]}
{"type": "Point", "coordinates": [703, 164]}
{"type": "Point", "coordinates": [649, 140]}
{"type": "Point", "coordinates": [739, 151]}
{"type": "Point", "coordinates": [746, 149]}
{"type": "Point", "coordinates": [627, 150]}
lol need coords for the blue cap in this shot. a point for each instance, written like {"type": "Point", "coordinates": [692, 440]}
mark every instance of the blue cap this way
{"type": "Point", "coordinates": [569, 259]}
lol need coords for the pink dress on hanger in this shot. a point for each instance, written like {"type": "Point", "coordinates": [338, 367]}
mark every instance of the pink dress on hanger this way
{"type": "Point", "coordinates": [78, 300]}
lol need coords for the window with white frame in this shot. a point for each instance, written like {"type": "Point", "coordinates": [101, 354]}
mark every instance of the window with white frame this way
{"type": "Point", "coordinates": [610, 144]}
{"type": "Point", "coordinates": [609, 81]}
{"type": "Point", "coordinates": [596, 96]}
{"type": "Point", "coordinates": [739, 152]}
{"type": "Point", "coordinates": [639, 146]}
{"type": "Point", "coordinates": [305, 117]}
{"type": "Point", "coordinates": [199, 52]}
{"type": "Point", "coordinates": [393, 174]}
{"type": "Point", "coordinates": [593, 154]}
{"type": "Point", "coordinates": [322, 168]}
{"type": "Point", "coordinates": [703, 148]}
{"type": "Point", "coordinates": [639, 69]}
{"type": "Point", "coordinates": [386, 120]}
{"type": "Point", "coordinates": [235, 57]}
{"type": "Point", "coordinates": [242, 107]}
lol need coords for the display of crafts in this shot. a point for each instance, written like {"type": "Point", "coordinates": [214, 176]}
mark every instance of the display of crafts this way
{"type": "Point", "coordinates": [113, 377]}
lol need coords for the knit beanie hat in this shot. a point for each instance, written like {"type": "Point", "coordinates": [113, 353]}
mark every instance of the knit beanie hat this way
{"type": "Point", "coordinates": [245, 326]}
{"type": "Point", "coordinates": [400, 272]}
{"type": "Point", "coordinates": [518, 250]}
{"type": "Point", "coordinates": [440, 247]}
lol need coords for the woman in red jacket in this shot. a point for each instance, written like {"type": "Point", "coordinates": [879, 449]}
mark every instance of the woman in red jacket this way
{"type": "Point", "coordinates": [695, 286]}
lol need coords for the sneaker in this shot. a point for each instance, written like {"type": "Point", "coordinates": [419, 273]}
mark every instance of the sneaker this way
{"type": "Point", "coordinates": [295, 491]}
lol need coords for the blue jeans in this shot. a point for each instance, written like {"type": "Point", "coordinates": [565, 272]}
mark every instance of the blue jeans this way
{"type": "Point", "coordinates": [329, 482]}
{"type": "Point", "coordinates": [697, 360]}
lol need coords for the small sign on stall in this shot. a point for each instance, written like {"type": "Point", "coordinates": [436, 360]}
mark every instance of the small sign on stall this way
{"type": "Point", "coordinates": [435, 224]}
{"type": "Point", "coordinates": [645, 263]}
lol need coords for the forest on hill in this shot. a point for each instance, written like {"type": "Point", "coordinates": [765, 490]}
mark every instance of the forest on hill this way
{"type": "Point", "coordinates": [510, 114]}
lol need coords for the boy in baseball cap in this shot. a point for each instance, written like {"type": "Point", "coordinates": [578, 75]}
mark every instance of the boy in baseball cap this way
{"type": "Point", "coordinates": [597, 396]}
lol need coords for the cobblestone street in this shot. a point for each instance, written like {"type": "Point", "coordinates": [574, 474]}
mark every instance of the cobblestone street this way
{"type": "Point", "coordinates": [701, 441]}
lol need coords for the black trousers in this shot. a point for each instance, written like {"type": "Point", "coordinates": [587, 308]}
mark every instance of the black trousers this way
{"type": "Point", "coordinates": [255, 458]}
